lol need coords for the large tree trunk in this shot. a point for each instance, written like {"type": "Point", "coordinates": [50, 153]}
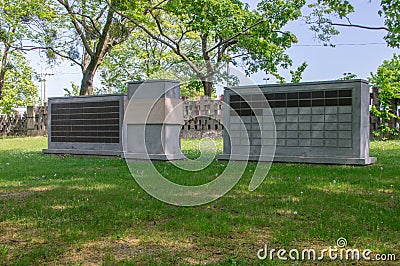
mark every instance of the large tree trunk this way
{"type": "Point", "coordinates": [87, 80]}
{"type": "Point", "coordinates": [393, 110]}
{"type": "Point", "coordinates": [375, 121]}
{"type": "Point", "coordinates": [208, 87]}
{"type": "Point", "coordinates": [3, 70]}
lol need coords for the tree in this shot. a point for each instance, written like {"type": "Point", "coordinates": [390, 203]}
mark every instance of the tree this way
{"type": "Point", "coordinates": [142, 58]}
{"type": "Point", "coordinates": [348, 76]}
{"type": "Point", "coordinates": [18, 87]}
{"type": "Point", "coordinates": [73, 91]}
{"type": "Point", "coordinates": [297, 74]}
{"type": "Point", "coordinates": [19, 21]}
{"type": "Point", "coordinates": [324, 19]}
{"type": "Point", "coordinates": [387, 79]}
{"type": "Point", "coordinates": [206, 34]}
{"type": "Point", "coordinates": [85, 34]}
{"type": "Point", "coordinates": [139, 58]}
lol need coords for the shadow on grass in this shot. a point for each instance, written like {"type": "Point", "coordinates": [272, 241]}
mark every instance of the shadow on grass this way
{"type": "Point", "coordinates": [88, 210]}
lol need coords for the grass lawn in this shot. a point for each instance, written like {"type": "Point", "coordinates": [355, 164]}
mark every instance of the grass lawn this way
{"type": "Point", "coordinates": [88, 211]}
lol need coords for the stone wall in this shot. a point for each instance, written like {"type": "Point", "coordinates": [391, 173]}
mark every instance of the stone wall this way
{"type": "Point", "coordinates": [202, 118]}
{"type": "Point", "coordinates": [31, 123]}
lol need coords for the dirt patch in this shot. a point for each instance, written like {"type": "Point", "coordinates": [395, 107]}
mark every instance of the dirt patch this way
{"type": "Point", "coordinates": [22, 193]}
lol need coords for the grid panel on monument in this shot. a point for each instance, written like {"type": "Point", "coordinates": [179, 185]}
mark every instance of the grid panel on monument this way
{"type": "Point", "coordinates": [91, 122]}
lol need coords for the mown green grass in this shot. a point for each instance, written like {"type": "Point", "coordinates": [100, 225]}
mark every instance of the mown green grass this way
{"type": "Point", "coordinates": [82, 210]}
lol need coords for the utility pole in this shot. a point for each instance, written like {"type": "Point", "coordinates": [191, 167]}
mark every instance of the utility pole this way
{"type": "Point", "coordinates": [43, 82]}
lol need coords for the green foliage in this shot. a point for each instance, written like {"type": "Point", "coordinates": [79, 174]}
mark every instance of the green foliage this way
{"type": "Point", "coordinates": [348, 76]}
{"type": "Point", "coordinates": [323, 19]}
{"type": "Point", "coordinates": [19, 89]}
{"type": "Point", "coordinates": [206, 34]}
{"type": "Point", "coordinates": [387, 79]}
{"type": "Point", "coordinates": [390, 12]}
{"type": "Point", "coordinates": [72, 91]}
{"type": "Point", "coordinates": [297, 74]}
{"type": "Point", "coordinates": [20, 26]}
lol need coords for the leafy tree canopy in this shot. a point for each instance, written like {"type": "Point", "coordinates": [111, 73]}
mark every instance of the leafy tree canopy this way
{"type": "Point", "coordinates": [324, 19]}
{"type": "Point", "coordinates": [19, 88]}
{"type": "Point", "coordinates": [387, 79]}
{"type": "Point", "coordinates": [205, 34]}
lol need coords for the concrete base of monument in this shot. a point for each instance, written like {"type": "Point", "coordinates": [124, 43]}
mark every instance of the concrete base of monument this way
{"type": "Point", "coordinates": [83, 152]}
{"type": "Point", "coordinates": [153, 157]}
{"type": "Point", "coordinates": [297, 159]}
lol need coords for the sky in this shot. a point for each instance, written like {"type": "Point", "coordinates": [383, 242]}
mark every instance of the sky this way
{"type": "Point", "coordinates": [357, 51]}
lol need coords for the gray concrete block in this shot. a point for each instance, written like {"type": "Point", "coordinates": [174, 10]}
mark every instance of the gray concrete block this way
{"type": "Point", "coordinates": [305, 110]}
{"type": "Point", "coordinates": [345, 126]}
{"type": "Point", "coordinates": [292, 134]}
{"type": "Point", "coordinates": [235, 141]}
{"type": "Point", "coordinates": [255, 127]}
{"type": "Point", "coordinates": [304, 134]}
{"type": "Point", "coordinates": [255, 142]}
{"type": "Point", "coordinates": [317, 142]}
{"type": "Point", "coordinates": [292, 142]}
{"type": "Point", "coordinates": [235, 133]}
{"type": "Point", "coordinates": [331, 134]}
{"type": "Point", "coordinates": [331, 142]}
{"type": "Point", "coordinates": [246, 119]}
{"type": "Point", "coordinates": [280, 118]}
{"type": "Point", "coordinates": [235, 120]}
{"type": "Point", "coordinates": [236, 127]}
{"type": "Point", "coordinates": [331, 118]}
{"type": "Point", "coordinates": [279, 111]}
{"type": "Point", "coordinates": [317, 134]}
{"type": "Point", "coordinates": [305, 142]}
{"type": "Point", "coordinates": [267, 112]}
{"type": "Point", "coordinates": [292, 126]}
{"type": "Point", "coordinates": [343, 143]}
{"type": "Point", "coordinates": [318, 110]}
{"type": "Point", "coordinates": [269, 126]}
{"type": "Point", "coordinates": [331, 126]}
{"type": "Point", "coordinates": [345, 134]}
{"type": "Point", "coordinates": [280, 126]}
{"type": "Point", "coordinates": [268, 135]}
{"type": "Point", "coordinates": [268, 142]}
{"type": "Point", "coordinates": [255, 134]}
{"type": "Point", "coordinates": [304, 126]}
{"type": "Point", "coordinates": [292, 111]}
{"type": "Point", "coordinates": [317, 118]}
{"type": "Point", "coordinates": [331, 110]}
{"type": "Point", "coordinates": [317, 126]}
{"type": "Point", "coordinates": [345, 110]}
{"type": "Point", "coordinates": [292, 118]}
{"type": "Point", "coordinates": [281, 142]}
{"type": "Point", "coordinates": [345, 118]}
{"type": "Point", "coordinates": [280, 134]}
{"type": "Point", "coordinates": [305, 118]}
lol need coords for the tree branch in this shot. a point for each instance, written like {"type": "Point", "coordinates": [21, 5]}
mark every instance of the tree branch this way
{"type": "Point", "coordinates": [154, 37]}
{"type": "Point", "coordinates": [236, 35]}
{"type": "Point", "coordinates": [161, 30]}
{"type": "Point", "coordinates": [32, 48]}
{"type": "Point", "coordinates": [77, 27]}
{"type": "Point", "coordinates": [358, 26]}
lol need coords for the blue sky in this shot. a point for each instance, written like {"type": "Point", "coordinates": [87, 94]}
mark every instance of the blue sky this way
{"type": "Point", "coordinates": [324, 63]}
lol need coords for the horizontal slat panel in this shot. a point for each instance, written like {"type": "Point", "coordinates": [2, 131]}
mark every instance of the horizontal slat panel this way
{"type": "Point", "coordinates": [86, 122]}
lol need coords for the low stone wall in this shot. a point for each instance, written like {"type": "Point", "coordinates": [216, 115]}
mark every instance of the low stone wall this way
{"type": "Point", "coordinates": [202, 118]}
{"type": "Point", "coordinates": [32, 123]}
